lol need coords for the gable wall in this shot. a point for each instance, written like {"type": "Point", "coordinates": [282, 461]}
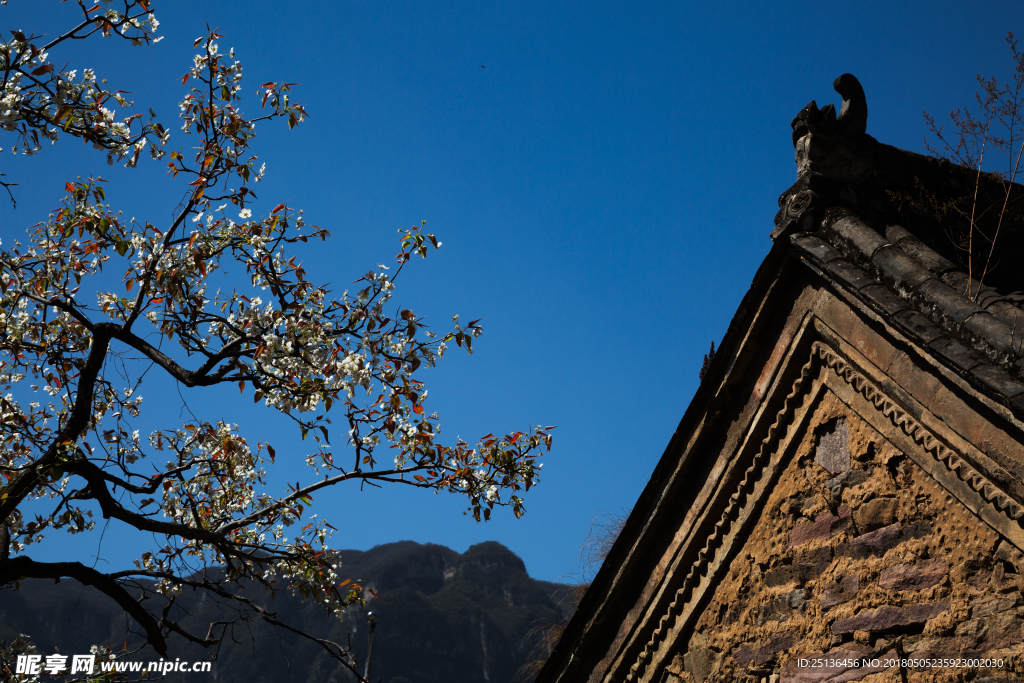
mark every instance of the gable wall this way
{"type": "Point", "coordinates": [670, 606]}
{"type": "Point", "coordinates": [855, 546]}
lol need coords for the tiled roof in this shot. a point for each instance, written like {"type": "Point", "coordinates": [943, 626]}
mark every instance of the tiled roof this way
{"type": "Point", "coordinates": [850, 217]}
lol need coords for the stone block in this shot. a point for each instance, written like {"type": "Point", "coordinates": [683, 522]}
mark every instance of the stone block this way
{"type": "Point", "coordinates": [993, 632]}
{"type": "Point", "coordinates": [846, 480]}
{"type": "Point", "coordinates": [798, 506]}
{"type": "Point", "coordinates": [780, 576]}
{"type": "Point", "coordinates": [880, 541]}
{"type": "Point", "coordinates": [825, 525]}
{"type": "Point", "coordinates": [1005, 552]}
{"type": "Point", "coordinates": [814, 562]}
{"type": "Point", "coordinates": [875, 514]}
{"type": "Point", "coordinates": [780, 608]}
{"type": "Point", "coordinates": [840, 591]}
{"type": "Point", "coordinates": [990, 604]}
{"type": "Point", "coordinates": [701, 662]}
{"type": "Point", "coordinates": [833, 450]}
{"type": "Point", "coordinates": [888, 617]}
{"type": "Point", "coordinates": [848, 653]}
{"type": "Point", "coordinates": [915, 576]}
{"type": "Point", "coordinates": [925, 647]}
{"type": "Point", "coordinates": [1006, 583]}
{"type": "Point", "coordinates": [874, 543]}
{"type": "Point", "coordinates": [756, 654]}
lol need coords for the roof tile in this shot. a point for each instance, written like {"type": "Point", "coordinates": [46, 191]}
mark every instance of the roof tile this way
{"type": "Point", "coordinates": [926, 256]}
{"type": "Point", "coordinates": [1009, 314]}
{"type": "Point", "coordinates": [884, 300]}
{"type": "Point", "coordinates": [998, 379]}
{"type": "Point", "coordinates": [851, 275]}
{"type": "Point", "coordinates": [950, 306]}
{"type": "Point", "coordinates": [899, 269]}
{"type": "Point", "coordinates": [991, 329]}
{"type": "Point", "coordinates": [859, 235]}
{"type": "Point", "coordinates": [957, 353]}
{"type": "Point", "coordinates": [819, 249]}
{"type": "Point", "coordinates": [918, 325]}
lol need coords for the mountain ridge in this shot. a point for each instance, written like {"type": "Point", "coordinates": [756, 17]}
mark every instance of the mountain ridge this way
{"type": "Point", "coordinates": [440, 615]}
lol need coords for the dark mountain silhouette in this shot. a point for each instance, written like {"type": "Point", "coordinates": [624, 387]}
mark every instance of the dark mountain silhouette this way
{"type": "Point", "coordinates": [440, 616]}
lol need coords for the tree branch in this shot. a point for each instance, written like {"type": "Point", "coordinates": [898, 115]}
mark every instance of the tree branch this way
{"type": "Point", "coordinates": [25, 567]}
{"type": "Point", "coordinates": [81, 413]}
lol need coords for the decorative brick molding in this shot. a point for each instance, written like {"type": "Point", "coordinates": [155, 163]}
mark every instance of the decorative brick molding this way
{"type": "Point", "coordinates": [827, 359]}
{"type": "Point", "coordinates": [900, 418]}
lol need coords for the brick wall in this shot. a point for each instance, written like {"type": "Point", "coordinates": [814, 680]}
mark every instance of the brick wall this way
{"type": "Point", "coordinates": [859, 553]}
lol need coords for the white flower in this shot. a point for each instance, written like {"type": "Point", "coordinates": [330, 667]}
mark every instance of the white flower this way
{"type": "Point", "coordinates": [244, 213]}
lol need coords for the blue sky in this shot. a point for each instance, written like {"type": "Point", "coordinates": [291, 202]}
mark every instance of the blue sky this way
{"type": "Point", "coordinates": [604, 189]}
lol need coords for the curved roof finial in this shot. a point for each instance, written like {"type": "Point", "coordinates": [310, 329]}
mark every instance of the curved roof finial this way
{"type": "Point", "coordinates": [853, 117]}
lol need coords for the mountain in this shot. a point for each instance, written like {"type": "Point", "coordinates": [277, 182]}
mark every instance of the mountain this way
{"type": "Point", "coordinates": [441, 617]}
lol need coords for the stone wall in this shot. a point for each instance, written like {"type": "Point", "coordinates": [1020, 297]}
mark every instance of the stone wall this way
{"type": "Point", "coordinates": [859, 553]}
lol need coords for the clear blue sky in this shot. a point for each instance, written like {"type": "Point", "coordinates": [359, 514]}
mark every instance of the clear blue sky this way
{"type": "Point", "coordinates": [604, 189]}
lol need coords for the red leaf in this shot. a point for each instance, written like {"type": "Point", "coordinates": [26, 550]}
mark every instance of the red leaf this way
{"type": "Point", "coordinates": [417, 409]}
{"type": "Point", "coordinates": [62, 111]}
{"type": "Point", "coordinates": [371, 592]}
{"type": "Point", "coordinates": [277, 208]}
